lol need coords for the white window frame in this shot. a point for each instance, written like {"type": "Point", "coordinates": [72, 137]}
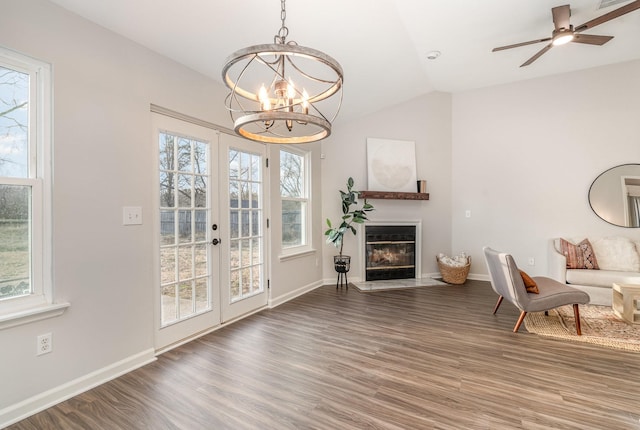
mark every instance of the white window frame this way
{"type": "Point", "coordinates": [306, 245]}
{"type": "Point", "coordinates": [40, 303]}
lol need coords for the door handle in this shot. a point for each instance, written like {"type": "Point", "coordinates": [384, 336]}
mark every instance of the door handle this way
{"type": "Point", "coordinates": [216, 241]}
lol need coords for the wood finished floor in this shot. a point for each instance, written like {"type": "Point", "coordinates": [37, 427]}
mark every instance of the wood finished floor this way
{"type": "Point", "coordinates": [426, 358]}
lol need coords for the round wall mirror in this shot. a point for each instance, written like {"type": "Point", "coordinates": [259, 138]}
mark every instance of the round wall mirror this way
{"type": "Point", "coordinates": [615, 195]}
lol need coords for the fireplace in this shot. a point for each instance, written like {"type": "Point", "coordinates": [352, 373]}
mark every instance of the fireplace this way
{"type": "Point", "coordinates": [390, 252]}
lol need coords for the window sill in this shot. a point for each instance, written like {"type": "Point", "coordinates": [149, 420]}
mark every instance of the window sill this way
{"type": "Point", "coordinates": [32, 314]}
{"type": "Point", "coordinates": [296, 255]}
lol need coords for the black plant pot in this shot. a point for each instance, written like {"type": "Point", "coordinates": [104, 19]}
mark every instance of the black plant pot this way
{"type": "Point", "coordinates": [342, 263]}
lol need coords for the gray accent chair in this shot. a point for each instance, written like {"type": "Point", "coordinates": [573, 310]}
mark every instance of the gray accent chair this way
{"type": "Point", "coordinates": [507, 282]}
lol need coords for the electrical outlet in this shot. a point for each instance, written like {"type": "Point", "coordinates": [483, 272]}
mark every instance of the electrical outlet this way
{"type": "Point", "coordinates": [44, 344]}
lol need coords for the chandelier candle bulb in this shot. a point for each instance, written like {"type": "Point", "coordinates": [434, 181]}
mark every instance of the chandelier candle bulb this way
{"type": "Point", "coordinates": [264, 99]}
{"type": "Point", "coordinates": [305, 102]}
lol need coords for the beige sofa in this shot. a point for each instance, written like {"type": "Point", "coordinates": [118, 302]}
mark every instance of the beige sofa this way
{"type": "Point", "coordinates": [618, 260]}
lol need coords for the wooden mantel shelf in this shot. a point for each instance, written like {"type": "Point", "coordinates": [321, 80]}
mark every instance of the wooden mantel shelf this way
{"type": "Point", "coordinates": [393, 195]}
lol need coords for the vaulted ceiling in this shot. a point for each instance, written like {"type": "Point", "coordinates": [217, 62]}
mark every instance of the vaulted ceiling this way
{"type": "Point", "coordinates": [382, 45]}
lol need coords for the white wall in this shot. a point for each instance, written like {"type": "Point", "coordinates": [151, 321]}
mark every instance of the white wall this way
{"type": "Point", "coordinates": [104, 160]}
{"type": "Point", "coordinates": [525, 155]}
{"type": "Point", "coordinates": [426, 120]}
{"type": "Point", "coordinates": [292, 276]}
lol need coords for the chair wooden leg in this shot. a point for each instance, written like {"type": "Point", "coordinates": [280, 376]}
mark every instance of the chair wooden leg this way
{"type": "Point", "coordinates": [522, 315]}
{"type": "Point", "coordinates": [497, 305]}
{"type": "Point", "coordinates": [576, 314]}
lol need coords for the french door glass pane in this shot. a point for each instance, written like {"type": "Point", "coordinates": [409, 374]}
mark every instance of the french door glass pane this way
{"type": "Point", "coordinates": [202, 295]}
{"type": "Point", "coordinates": [167, 195]}
{"type": "Point", "coordinates": [185, 187]}
{"type": "Point", "coordinates": [167, 152]}
{"type": "Point", "coordinates": [15, 245]}
{"type": "Point", "coordinates": [235, 254]}
{"type": "Point", "coordinates": [200, 254]}
{"type": "Point", "coordinates": [185, 263]}
{"type": "Point", "coordinates": [187, 300]}
{"type": "Point", "coordinates": [245, 163]}
{"type": "Point", "coordinates": [200, 230]}
{"type": "Point", "coordinates": [168, 273]}
{"type": "Point", "coordinates": [185, 278]}
{"type": "Point", "coordinates": [200, 158]}
{"type": "Point", "coordinates": [234, 193]}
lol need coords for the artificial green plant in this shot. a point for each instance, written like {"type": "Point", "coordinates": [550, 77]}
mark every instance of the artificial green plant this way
{"type": "Point", "coordinates": [335, 235]}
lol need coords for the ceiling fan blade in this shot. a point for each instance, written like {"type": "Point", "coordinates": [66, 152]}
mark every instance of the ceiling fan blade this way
{"type": "Point", "coordinates": [535, 57]}
{"type": "Point", "coordinates": [591, 39]}
{"type": "Point", "coordinates": [561, 16]}
{"type": "Point", "coordinates": [609, 16]}
{"type": "Point", "coordinates": [531, 42]}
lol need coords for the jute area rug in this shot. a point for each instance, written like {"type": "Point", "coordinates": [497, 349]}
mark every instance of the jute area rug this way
{"type": "Point", "coordinates": [598, 323]}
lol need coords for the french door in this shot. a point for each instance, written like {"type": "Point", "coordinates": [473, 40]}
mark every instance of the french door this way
{"type": "Point", "coordinates": [210, 225]}
{"type": "Point", "coordinates": [243, 273]}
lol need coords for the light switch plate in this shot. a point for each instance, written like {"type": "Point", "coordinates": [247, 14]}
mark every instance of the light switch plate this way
{"type": "Point", "coordinates": [131, 215]}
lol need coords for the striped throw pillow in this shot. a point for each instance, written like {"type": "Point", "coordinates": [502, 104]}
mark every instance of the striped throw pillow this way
{"type": "Point", "coordinates": [580, 256]}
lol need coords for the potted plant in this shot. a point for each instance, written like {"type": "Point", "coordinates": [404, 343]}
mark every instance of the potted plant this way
{"type": "Point", "coordinates": [335, 235]}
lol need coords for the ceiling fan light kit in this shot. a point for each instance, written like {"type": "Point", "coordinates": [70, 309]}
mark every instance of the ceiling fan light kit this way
{"type": "Point", "coordinates": [564, 32]}
{"type": "Point", "coordinates": [562, 36]}
{"type": "Point", "coordinates": [282, 92]}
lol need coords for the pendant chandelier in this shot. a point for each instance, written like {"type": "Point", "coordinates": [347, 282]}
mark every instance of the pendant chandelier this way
{"type": "Point", "coordinates": [282, 92]}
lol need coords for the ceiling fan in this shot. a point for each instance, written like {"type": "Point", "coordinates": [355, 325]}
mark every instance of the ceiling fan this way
{"type": "Point", "coordinates": [564, 32]}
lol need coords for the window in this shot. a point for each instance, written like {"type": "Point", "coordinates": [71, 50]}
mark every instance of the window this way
{"type": "Point", "coordinates": [25, 220]}
{"type": "Point", "coordinates": [294, 192]}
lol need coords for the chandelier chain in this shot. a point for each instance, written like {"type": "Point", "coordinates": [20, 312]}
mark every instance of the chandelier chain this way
{"type": "Point", "coordinates": [284, 31]}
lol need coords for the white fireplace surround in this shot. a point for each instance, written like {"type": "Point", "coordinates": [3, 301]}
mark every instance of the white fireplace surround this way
{"type": "Point", "coordinates": [362, 248]}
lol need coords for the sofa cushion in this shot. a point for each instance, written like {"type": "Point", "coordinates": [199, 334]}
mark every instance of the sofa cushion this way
{"type": "Point", "coordinates": [601, 278]}
{"type": "Point", "coordinates": [617, 253]}
{"type": "Point", "coordinates": [580, 256]}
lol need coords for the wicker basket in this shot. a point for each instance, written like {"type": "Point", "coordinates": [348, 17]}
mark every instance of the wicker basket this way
{"type": "Point", "coordinates": [454, 275]}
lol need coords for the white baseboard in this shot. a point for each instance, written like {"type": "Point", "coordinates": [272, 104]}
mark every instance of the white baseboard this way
{"type": "Point", "coordinates": [21, 410]}
{"type": "Point", "coordinates": [479, 277]}
{"type": "Point", "coordinates": [277, 301]}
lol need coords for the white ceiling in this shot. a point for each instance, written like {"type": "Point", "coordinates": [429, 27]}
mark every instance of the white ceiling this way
{"type": "Point", "coordinates": [382, 45]}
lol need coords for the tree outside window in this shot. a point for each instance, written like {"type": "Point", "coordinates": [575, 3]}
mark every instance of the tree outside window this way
{"type": "Point", "coordinates": [295, 199]}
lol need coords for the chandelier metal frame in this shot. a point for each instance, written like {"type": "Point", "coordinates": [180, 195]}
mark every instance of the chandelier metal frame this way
{"type": "Point", "coordinates": [280, 112]}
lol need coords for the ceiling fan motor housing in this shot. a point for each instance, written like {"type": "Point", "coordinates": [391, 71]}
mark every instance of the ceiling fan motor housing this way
{"type": "Point", "coordinates": [562, 35]}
